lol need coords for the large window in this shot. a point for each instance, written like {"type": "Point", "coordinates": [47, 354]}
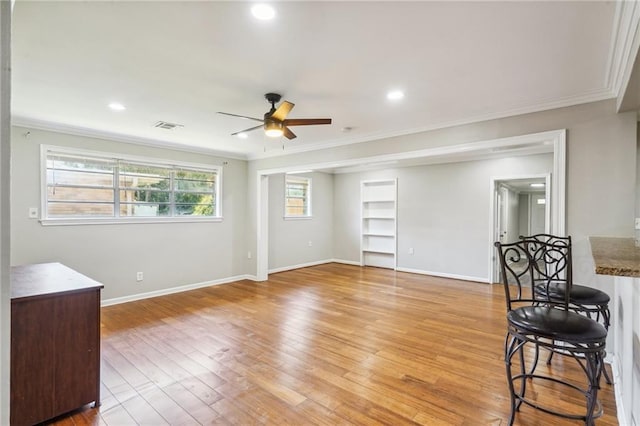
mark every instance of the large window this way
{"type": "Point", "coordinates": [297, 196]}
{"type": "Point", "coordinates": [87, 187]}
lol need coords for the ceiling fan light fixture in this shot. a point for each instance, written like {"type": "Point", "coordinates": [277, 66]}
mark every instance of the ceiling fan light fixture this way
{"type": "Point", "coordinates": [273, 129]}
{"type": "Point", "coordinates": [275, 122]}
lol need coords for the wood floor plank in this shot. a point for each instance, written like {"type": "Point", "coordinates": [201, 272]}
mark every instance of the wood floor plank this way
{"type": "Point", "coordinates": [326, 345]}
{"type": "Point", "coordinates": [117, 416]}
{"type": "Point", "coordinates": [142, 412]}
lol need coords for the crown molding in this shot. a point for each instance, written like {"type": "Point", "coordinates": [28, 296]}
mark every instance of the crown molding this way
{"type": "Point", "coordinates": [593, 96]}
{"type": "Point", "coordinates": [625, 40]}
{"type": "Point", "coordinates": [27, 122]}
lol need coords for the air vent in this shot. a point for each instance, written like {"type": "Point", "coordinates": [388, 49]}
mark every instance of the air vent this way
{"type": "Point", "coordinates": [167, 126]}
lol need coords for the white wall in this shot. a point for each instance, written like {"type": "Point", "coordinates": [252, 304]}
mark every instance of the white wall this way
{"type": "Point", "coordinates": [169, 254]}
{"type": "Point", "coordinates": [443, 213]}
{"type": "Point", "coordinates": [289, 238]}
{"type": "Point", "coordinates": [626, 326]}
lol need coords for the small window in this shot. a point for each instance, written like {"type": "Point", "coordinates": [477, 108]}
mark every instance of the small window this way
{"type": "Point", "coordinates": [85, 187]}
{"type": "Point", "coordinates": [297, 196]}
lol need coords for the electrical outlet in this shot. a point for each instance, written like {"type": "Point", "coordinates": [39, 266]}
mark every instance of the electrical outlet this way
{"type": "Point", "coordinates": [33, 213]}
{"type": "Point", "coordinates": [139, 276]}
{"type": "Point", "coordinates": [411, 250]}
{"type": "Point", "coordinates": [637, 222]}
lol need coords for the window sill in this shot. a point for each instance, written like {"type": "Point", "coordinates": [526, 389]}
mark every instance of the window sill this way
{"type": "Point", "coordinates": [298, 217]}
{"type": "Point", "coordinates": [123, 221]}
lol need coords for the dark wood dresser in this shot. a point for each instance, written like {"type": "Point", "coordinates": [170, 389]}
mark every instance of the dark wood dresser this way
{"type": "Point", "coordinates": [55, 342]}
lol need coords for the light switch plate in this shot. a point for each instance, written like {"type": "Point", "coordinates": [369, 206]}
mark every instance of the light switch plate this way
{"type": "Point", "coordinates": [33, 212]}
{"type": "Point", "coordinates": [637, 222]}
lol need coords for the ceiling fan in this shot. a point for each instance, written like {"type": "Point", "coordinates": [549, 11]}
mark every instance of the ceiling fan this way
{"type": "Point", "coordinates": [275, 122]}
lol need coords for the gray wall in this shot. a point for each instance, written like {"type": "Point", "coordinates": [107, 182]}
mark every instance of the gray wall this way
{"type": "Point", "coordinates": [169, 254]}
{"type": "Point", "coordinates": [537, 214]}
{"type": "Point", "coordinates": [289, 238]}
{"type": "Point", "coordinates": [523, 214]}
{"type": "Point", "coordinates": [638, 174]}
{"type": "Point", "coordinates": [513, 223]}
{"type": "Point", "coordinates": [443, 213]}
{"type": "Point", "coordinates": [601, 167]}
{"type": "Point", "coordinates": [5, 158]}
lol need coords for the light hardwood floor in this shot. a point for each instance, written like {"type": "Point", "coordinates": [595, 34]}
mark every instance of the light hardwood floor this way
{"type": "Point", "coordinates": [329, 345]}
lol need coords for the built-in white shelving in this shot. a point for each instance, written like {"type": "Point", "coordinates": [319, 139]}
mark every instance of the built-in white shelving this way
{"type": "Point", "coordinates": [378, 236]}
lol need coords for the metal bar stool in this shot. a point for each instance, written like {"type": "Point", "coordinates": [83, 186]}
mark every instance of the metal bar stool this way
{"type": "Point", "coordinates": [534, 321]}
{"type": "Point", "coordinates": [585, 300]}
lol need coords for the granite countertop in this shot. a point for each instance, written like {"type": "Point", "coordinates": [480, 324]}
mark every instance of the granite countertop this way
{"type": "Point", "coordinates": [616, 256]}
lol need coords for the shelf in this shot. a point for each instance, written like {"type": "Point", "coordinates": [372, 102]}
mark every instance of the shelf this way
{"type": "Point", "coordinates": [378, 251]}
{"type": "Point", "coordinates": [378, 233]}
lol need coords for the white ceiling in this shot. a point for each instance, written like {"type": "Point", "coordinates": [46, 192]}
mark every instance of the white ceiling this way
{"type": "Point", "coordinates": [181, 62]}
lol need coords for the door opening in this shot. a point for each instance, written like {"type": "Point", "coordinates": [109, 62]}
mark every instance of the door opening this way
{"type": "Point", "coordinates": [521, 206]}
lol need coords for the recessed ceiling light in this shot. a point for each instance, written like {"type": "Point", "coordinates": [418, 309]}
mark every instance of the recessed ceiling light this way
{"type": "Point", "coordinates": [395, 95]}
{"type": "Point", "coordinates": [242, 135]}
{"type": "Point", "coordinates": [263, 12]}
{"type": "Point", "coordinates": [537, 185]}
{"type": "Point", "coordinates": [117, 106]}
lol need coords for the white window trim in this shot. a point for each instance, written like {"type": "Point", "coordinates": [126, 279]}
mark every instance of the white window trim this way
{"type": "Point", "coordinates": [45, 221]}
{"type": "Point", "coordinates": [309, 214]}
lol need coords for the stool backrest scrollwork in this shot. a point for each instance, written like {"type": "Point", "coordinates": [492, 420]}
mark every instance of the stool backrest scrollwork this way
{"type": "Point", "coordinates": [532, 262]}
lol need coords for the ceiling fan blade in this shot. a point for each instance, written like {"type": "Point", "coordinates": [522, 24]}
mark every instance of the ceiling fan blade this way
{"type": "Point", "coordinates": [306, 121]}
{"type": "Point", "coordinates": [283, 110]}
{"type": "Point", "coordinates": [288, 133]}
{"type": "Point", "coordinates": [247, 130]}
{"type": "Point", "coordinates": [240, 116]}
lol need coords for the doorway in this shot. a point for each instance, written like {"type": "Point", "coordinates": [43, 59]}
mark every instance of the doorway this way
{"type": "Point", "coordinates": [521, 206]}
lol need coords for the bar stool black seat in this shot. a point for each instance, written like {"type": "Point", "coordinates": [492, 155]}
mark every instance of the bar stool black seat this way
{"type": "Point", "coordinates": [590, 301]}
{"type": "Point", "coordinates": [557, 324]}
{"type": "Point", "coordinates": [534, 321]}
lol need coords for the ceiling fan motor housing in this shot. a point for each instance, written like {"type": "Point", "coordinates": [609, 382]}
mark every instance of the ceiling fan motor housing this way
{"type": "Point", "coordinates": [273, 98]}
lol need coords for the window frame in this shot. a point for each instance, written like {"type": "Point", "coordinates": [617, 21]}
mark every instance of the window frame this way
{"type": "Point", "coordinates": [46, 150]}
{"type": "Point", "coordinates": [309, 197]}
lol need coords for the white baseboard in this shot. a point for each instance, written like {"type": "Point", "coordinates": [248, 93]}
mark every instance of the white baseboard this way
{"type": "Point", "coordinates": [346, 262]}
{"type": "Point", "coordinates": [187, 287]}
{"type": "Point", "coordinates": [172, 290]}
{"type": "Point", "coordinates": [301, 265]}
{"type": "Point", "coordinates": [443, 275]}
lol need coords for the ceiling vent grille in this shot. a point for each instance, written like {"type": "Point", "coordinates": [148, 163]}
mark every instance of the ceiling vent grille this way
{"type": "Point", "coordinates": [166, 125]}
